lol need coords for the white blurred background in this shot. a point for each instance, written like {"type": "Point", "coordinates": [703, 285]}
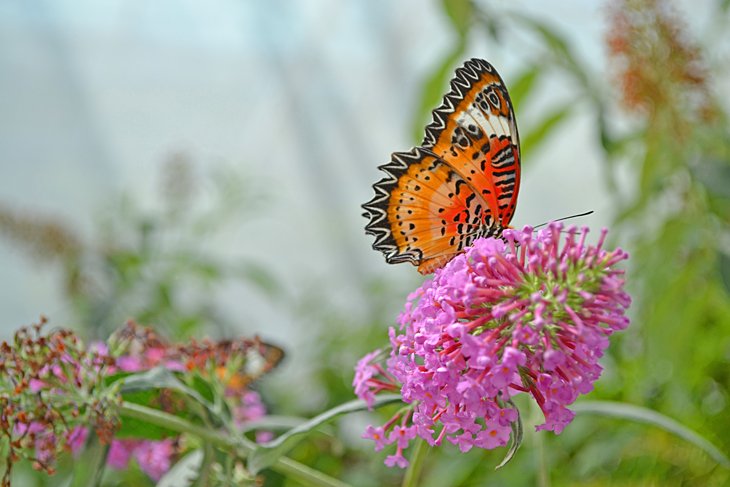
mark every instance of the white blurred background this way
{"type": "Point", "coordinates": [305, 98]}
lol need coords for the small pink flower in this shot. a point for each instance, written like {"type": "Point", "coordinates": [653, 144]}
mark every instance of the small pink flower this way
{"type": "Point", "coordinates": [251, 408]}
{"type": "Point", "coordinates": [364, 372]}
{"type": "Point", "coordinates": [377, 435]}
{"type": "Point", "coordinates": [264, 437]}
{"type": "Point", "coordinates": [77, 439]}
{"type": "Point", "coordinates": [154, 457]}
{"type": "Point", "coordinates": [45, 447]}
{"type": "Point", "coordinates": [36, 385]}
{"type": "Point", "coordinates": [120, 451]}
{"type": "Point", "coordinates": [155, 355]}
{"type": "Point", "coordinates": [493, 436]}
{"type": "Point", "coordinates": [129, 363]}
{"type": "Point", "coordinates": [402, 436]}
{"type": "Point", "coordinates": [396, 460]}
{"type": "Point", "coordinates": [464, 441]}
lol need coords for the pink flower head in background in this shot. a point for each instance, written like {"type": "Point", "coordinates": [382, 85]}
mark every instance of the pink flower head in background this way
{"type": "Point", "coordinates": [54, 394]}
{"type": "Point", "coordinates": [524, 314]}
{"type": "Point", "coordinates": [51, 392]}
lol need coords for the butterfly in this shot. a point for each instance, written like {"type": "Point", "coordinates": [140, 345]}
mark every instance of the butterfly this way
{"type": "Point", "coordinates": [461, 183]}
{"type": "Point", "coordinates": [253, 357]}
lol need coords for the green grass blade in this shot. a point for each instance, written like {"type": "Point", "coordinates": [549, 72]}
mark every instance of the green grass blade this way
{"type": "Point", "coordinates": [647, 416]}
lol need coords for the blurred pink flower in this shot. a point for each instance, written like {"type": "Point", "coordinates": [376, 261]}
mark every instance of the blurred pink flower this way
{"type": "Point", "coordinates": [77, 439]}
{"type": "Point", "coordinates": [154, 457]}
{"type": "Point", "coordinates": [120, 452]}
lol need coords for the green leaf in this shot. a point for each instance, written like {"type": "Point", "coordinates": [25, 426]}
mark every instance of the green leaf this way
{"type": "Point", "coordinates": [435, 87]}
{"type": "Point", "coordinates": [203, 387]}
{"type": "Point", "coordinates": [261, 277]}
{"type": "Point", "coordinates": [115, 377]}
{"type": "Point", "coordinates": [142, 389]}
{"type": "Point", "coordinates": [265, 455]}
{"type": "Point", "coordinates": [185, 472]}
{"type": "Point", "coordinates": [492, 22]}
{"type": "Point", "coordinates": [613, 145]}
{"type": "Point", "coordinates": [544, 128]}
{"type": "Point", "coordinates": [644, 415]}
{"type": "Point", "coordinates": [211, 436]}
{"type": "Point", "coordinates": [724, 268]}
{"type": "Point", "coordinates": [175, 423]}
{"type": "Point", "coordinates": [415, 467]}
{"type": "Point", "coordinates": [195, 264]}
{"type": "Point", "coordinates": [88, 472]}
{"type": "Point", "coordinates": [714, 174]}
{"type": "Point", "coordinates": [274, 423]}
{"type": "Point", "coordinates": [521, 87]}
{"type": "Point", "coordinates": [460, 12]}
{"type": "Point", "coordinates": [163, 295]}
{"type": "Point", "coordinates": [206, 464]}
{"type": "Point", "coordinates": [515, 438]}
{"type": "Point", "coordinates": [159, 378]}
{"type": "Point", "coordinates": [125, 261]}
{"type": "Point", "coordinates": [132, 428]}
{"type": "Point", "coordinates": [559, 46]}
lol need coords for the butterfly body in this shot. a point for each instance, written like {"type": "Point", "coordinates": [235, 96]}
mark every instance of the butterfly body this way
{"type": "Point", "coordinates": [459, 185]}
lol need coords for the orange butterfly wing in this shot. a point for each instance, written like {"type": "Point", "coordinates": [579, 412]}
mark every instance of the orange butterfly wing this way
{"type": "Point", "coordinates": [462, 183]}
{"type": "Point", "coordinates": [424, 212]}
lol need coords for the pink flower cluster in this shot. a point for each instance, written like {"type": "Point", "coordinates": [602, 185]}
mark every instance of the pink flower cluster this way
{"type": "Point", "coordinates": [524, 314]}
{"type": "Point", "coordinates": [51, 389]}
{"type": "Point", "coordinates": [54, 392]}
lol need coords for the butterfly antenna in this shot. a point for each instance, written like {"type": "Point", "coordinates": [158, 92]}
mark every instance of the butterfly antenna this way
{"type": "Point", "coordinates": [577, 215]}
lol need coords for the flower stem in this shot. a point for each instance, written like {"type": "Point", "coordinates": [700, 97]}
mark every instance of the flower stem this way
{"type": "Point", "coordinates": [88, 473]}
{"type": "Point", "coordinates": [543, 477]}
{"type": "Point", "coordinates": [416, 464]}
{"type": "Point", "coordinates": [286, 466]}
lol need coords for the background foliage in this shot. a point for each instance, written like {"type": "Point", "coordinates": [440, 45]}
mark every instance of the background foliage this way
{"type": "Point", "coordinates": [664, 137]}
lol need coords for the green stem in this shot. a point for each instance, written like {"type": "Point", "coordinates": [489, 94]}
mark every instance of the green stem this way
{"type": "Point", "coordinates": [169, 421]}
{"type": "Point", "coordinates": [286, 466]}
{"type": "Point", "coordinates": [304, 474]}
{"type": "Point", "coordinates": [416, 465]}
{"type": "Point", "coordinates": [649, 416]}
{"type": "Point", "coordinates": [89, 472]}
{"type": "Point", "coordinates": [538, 437]}
{"type": "Point", "coordinates": [203, 479]}
{"type": "Point", "coordinates": [543, 480]}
